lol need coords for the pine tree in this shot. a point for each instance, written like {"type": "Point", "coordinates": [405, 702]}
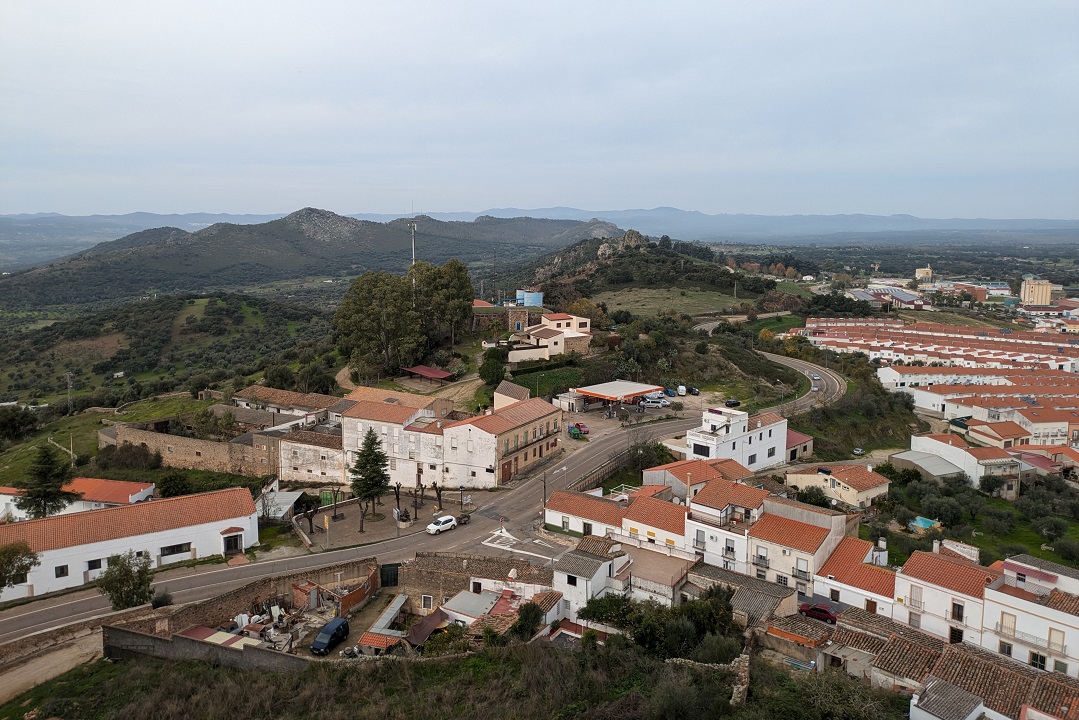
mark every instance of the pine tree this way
{"type": "Point", "coordinates": [370, 478]}
{"type": "Point", "coordinates": [43, 491]}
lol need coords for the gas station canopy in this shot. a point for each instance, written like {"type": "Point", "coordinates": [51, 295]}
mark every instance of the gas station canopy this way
{"type": "Point", "coordinates": [617, 390]}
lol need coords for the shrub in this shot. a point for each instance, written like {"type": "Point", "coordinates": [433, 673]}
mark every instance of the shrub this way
{"type": "Point", "coordinates": [719, 649]}
{"type": "Point", "coordinates": [1051, 527]}
{"type": "Point", "coordinates": [160, 599]}
{"type": "Point", "coordinates": [1009, 549]}
{"type": "Point", "coordinates": [1068, 550]}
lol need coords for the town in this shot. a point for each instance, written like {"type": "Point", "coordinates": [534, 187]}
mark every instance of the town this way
{"type": "Point", "coordinates": [425, 527]}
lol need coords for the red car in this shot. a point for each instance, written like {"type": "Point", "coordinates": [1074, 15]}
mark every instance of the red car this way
{"type": "Point", "coordinates": [820, 611]}
{"type": "Point", "coordinates": [582, 427]}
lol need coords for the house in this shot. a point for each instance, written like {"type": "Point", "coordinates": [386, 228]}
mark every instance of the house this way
{"type": "Point", "coordinates": [757, 442]}
{"type": "Point", "coordinates": [74, 549]}
{"type": "Point", "coordinates": [556, 334]}
{"type": "Point", "coordinates": [1048, 426]}
{"type": "Point", "coordinates": [97, 493]}
{"type": "Point", "coordinates": [656, 522]}
{"type": "Point", "coordinates": [312, 456]}
{"type": "Point", "coordinates": [687, 477]}
{"type": "Point", "coordinates": [791, 540]}
{"type": "Point", "coordinates": [856, 574]}
{"type": "Point", "coordinates": [582, 514]}
{"type": "Point", "coordinates": [970, 461]}
{"type": "Point", "coordinates": [854, 485]}
{"type": "Point", "coordinates": [508, 393]}
{"type": "Point", "coordinates": [719, 521]}
{"type": "Point", "coordinates": [943, 594]}
{"type": "Point", "coordinates": [430, 579]}
{"type": "Point", "coordinates": [1031, 614]}
{"type": "Point", "coordinates": [1001, 435]}
{"type": "Point", "coordinates": [592, 569]}
{"type": "Point", "coordinates": [799, 445]}
{"type": "Point", "coordinates": [285, 402]}
{"type": "Point", "coordinates": [754, 601]}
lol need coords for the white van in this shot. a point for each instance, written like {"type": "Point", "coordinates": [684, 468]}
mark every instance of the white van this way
{"type": "Point", "coordinates": [655, 403]}
{"type": "Point", "coordinates": [682, 390]}
{"type": "Point", "coordinates": [658, 394]}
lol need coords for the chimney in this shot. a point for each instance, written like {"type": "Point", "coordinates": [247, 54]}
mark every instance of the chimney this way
{"type": "Point", "coordinates": [758, 423]}
{"type": "Point", "coordinates": [882, 543]}
{"type": "Point", "coordinates": [869, 468]}
{"type": "Point", "coordinates": [936, 546]}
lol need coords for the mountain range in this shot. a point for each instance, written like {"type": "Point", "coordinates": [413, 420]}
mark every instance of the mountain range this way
{"type": "Point", "coordinates": [305, 244]}
{"type": "Point", "coordinates": [28, 239]}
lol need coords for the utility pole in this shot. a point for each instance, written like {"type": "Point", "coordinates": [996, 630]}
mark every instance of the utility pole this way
{"type": "Point", "coordinates": [70, 381]}
{"type": "Point", "coordinates": [412, 227]}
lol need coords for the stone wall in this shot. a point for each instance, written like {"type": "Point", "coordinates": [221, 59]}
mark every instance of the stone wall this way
{"type": "Point", "coordinates": [125, 643]}
{"type": "Point", "coordinates": [184, 452]}
{"type": "Point", "coordinates": [579, 345]}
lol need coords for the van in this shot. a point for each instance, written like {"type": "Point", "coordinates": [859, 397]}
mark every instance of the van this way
{"type": "Point", "coordinates": [655, 403]}
{"type": "Point", "coordinates": [329, 636]}
{"type": "Point", "coordinates": [654, 395]}
{"type": "Point", "coordinates": [682, 390]}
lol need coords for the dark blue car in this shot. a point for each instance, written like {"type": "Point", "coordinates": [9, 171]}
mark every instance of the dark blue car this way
{"type": "Point", "coordinates": [669, 392]}
{"type": "Point", "coordinates": [329, 636]}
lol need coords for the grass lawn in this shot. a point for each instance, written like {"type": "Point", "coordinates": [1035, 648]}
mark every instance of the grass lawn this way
{"type": "Point", "coordinates": [544, 382]}
{"type": "Point", "coordinates": [948, 318]}
{"type": "Point", "coordinates": [1021, 534]}
{"type": "Point", "coordinates": [625, 476]}
{"type": "Point", "coordinates": [776, 324]}
{"type": "Point", "coordinates": [654, 301]}
{"type": "Point", "coordinates": [793, 288]}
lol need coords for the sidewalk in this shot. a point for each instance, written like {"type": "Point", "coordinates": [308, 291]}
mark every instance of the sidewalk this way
{"type": "Point", "coordinates": [345, 531]}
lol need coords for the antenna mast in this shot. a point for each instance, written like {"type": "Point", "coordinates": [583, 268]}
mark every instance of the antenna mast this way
{"type": "Point", "coordinates": [412, 227]}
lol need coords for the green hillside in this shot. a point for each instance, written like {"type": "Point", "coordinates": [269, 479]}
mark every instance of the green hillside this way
{"type": "Point", "coordinates": [306, 243]}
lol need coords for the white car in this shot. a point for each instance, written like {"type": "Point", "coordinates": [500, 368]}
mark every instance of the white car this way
{"type": "Point", "coordinates": [816, 377]}
{"type": "Point", "coordinates": [446, 522]}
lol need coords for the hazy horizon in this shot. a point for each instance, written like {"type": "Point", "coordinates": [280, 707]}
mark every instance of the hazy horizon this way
{"type": "Point", "coordinates": [964, 110]}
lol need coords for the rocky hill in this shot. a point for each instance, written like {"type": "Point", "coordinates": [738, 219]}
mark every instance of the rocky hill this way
{"type": "Point", "coordinates": [307, 243]}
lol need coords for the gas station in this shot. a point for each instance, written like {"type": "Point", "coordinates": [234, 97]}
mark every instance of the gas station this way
{"type": "Point", "coordinates": [604, 395]}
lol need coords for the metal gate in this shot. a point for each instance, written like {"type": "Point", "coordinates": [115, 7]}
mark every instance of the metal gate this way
{"type": "Point", "coordinates": [387, 574]}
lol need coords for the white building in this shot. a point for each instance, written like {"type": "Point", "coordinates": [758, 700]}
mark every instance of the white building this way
{"type": "Point", "coordinates": [792, 540]}
{"type": "Point", "coordinates": [757, 442]}
{"type": "Point", "coordinates": [74, 549]}
{"type": "Point", "coordinates": [583, 514]}
{"type": "Point", "coordinates": [974, 462]}
{"type": "Point", "coordinates": [656, 522]}
{"type": "Point", "coordinates": [97, 493]}
{"type": "Point", "coordinates": [687, 477]}
{"type": "Point", "coordinates": [1032, 614]}
{"type": "Point", "coordinates": [719, 521]}
{"type": "Point", "coordinates": [943, 594]}
{"type": "Point", "coordinates": [285, 402]}
{"type": "Point", "coordinates": [856, 574]}
{"type": "Point", "coordinates": [590, 571]}
{"type": "Point", "coordinates": [312, 457]}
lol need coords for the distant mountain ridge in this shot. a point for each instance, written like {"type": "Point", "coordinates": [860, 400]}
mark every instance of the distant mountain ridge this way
{"type": "Point", "coordinates": [306, 243]}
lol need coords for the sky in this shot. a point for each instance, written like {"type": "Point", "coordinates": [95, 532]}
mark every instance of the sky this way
{"type": "Point", "coordinates": [955, 109]}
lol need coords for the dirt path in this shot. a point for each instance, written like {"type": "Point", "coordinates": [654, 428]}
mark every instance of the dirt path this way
{"type": "Point", "coordinates": [460, 392]}
{"type": "Point", "coordinates": [343, 379]}
{"type": "Point", "coordinates": [33, 672]}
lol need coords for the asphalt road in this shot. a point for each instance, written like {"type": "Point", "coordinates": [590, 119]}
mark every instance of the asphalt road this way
{"type": "Point", "coordinates": [504, 525]}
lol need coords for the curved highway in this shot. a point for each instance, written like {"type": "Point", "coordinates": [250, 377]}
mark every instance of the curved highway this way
{"type": "Point", "coordinates": [519, 506]}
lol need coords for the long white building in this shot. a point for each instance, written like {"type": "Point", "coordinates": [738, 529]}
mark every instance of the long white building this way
{"type": "Point", "coordinates": [75, 548]}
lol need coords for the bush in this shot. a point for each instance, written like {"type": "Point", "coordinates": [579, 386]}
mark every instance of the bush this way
{"type": "Point", "coordinates": [1050, 527]}
{"type": "Point", "coordinates": [1009, 549]}
{"type": "Point", "coordinates": [1068, 550]}
{"type": "Point", "coordinates": [160, 599]}
{"type": "Point", "coordinates": [719, 649]}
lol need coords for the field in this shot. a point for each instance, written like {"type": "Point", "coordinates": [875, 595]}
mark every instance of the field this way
{"type": "Point", "coordinates": [792, 288]}
{"type": "Point", "coordinates": [948, 318]}
{"type": "Point", "coordinates": [655, 301]}
{"type": "Point", "coordinates": [776, 324]}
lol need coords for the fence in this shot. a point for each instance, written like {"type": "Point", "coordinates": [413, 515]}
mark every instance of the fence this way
{"type": "Point", "coordinates": [596, 477]}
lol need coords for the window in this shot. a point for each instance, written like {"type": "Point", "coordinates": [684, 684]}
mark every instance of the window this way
{"type": "Point", "coordinates": [198, 453]}
{"type": "Point", "coordinates": [565, 522]}
{"type": "Point", "coordinates": [762, 575]}
{"type": "Point", "coordinates": [176, 549]}
{"type": "Point", "coordinates": [61, 571]}
{"type": "Point", "coordinates": [769, 432]}
{"type": "Point", "coordinates": [432, 467]}
{"type": "Point", "coordinates": [1037, 660]}
{"type": "Point", "coordinates": [955, 635]}
{"type": "Point", "coordinates": [752, 459]}
{"type": "Point", "coordinates": [571, 580]}
{"type": "Point", "coordinates": [93, 564]}
{"type": "Point", "coordinates": [393, 463]}
{"type": "Point", "coordinates": [427, 602]}
{"type": "Point", "coordinates": [296, 453]}
{"type": "Point", "coordinates": [771, 452]}
{"type": "Point", "coordinates": [914, 620]}
{"type": "Point", "coordinates": [782, 580]}
{"type": "Point", "coordinates": [587, 528]}
{"type": "Point", "coordinates": [1056, 641]}
{"type": "Point", "coordinates": [801, 588]}
{"type": "Point", "coordinates": [473, 473]}
{"type": "Point", "coordinates": [1060, 667]}
{"type": "Point", "coordinates": [834, 595]}
{"type": "Point", "coordinates": [1005, 648]}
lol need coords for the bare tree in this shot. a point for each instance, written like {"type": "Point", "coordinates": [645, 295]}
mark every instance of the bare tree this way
{"type": "Point", "coordinates": [438, 494]}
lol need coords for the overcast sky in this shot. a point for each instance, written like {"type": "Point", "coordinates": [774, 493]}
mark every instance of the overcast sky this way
{"type": "Point", "coordinates": [953, 109]}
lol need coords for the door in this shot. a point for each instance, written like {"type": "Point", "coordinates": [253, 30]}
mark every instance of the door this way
{"type": "Point", "coordinates": [1007, 624]}
{"type": "Point", "coordinates": [233, 544]}
{"type": "Point", "coordinates": [871, 606]}
{"type": "Point", "coordinates": [955, 636]}
{"type": "Point", "coordinates": [506, 470]}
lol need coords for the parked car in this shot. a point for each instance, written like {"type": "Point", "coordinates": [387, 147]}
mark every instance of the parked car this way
{"type": "Point", "coordinates": [669, 392]}
{"type": "Point", "coordinates": [681, 389]}
{"type": "Point", "coordinates": [330, 635]}
{"type": "Point", "coordinates": [733, 403]}
{"type": "Point", "coordinates": [653, 403]}
{"type": "Point", "coordinates": [446, 522]}
{"type": "Point", "coordinates": [819, 611]}
{"type": "Point", "coordinates": [694, 391]}
{"type": "Point", "coordinates": [858, 451]}
{"type": "Point", "coordinates": [582, 427]}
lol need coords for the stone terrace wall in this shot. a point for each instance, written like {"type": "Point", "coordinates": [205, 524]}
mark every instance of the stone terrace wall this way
{"type": "Point", "coordinates": [124, 643]}
{"type": "Point", "coordinates": [194, 454]}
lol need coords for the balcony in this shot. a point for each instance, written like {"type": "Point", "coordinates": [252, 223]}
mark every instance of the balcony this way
{"type": "Point", "coordinates": [728, 552]}
{"type": "Point", "coordinates": [914, 604]}
{"type": "Point", "coordinates": [1033, 640]}
{"type": "Point", "coordinates": [956, 618]}
{"type": "Point", "coordinates": [761, 562]}
{"type": "Point", "coordinates": [698, 544]}
{"type": "Point", "coordinates": [800, 574]}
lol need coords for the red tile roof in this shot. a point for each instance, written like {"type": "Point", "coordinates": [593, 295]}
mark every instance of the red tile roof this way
{"type": "Point", "coordinates": [789, 533]}
{"type": "Point", "coordinates": [273, 396]}
{"type": "Point", "coordinates": [720, 493]}
{"type": "Point", "coordinates": [765, 419]}
{"type": "Point", "coordinates": [698, 471]}
{"type": "Point", "coordinates": [380, 412]}
{"type": "Point", "coordinates": [796, 438]}
{"type": "Point", "coordinates": [588, 507]}
{"type": "Point", "coordinates": [1005, 430]}
{"type": "Point", "coordinates": [847, 565]}
{"type": "Point", "coordinates": [658, 514]}
{"type": "Point", "coordinates": [947, 438]}
{"type": "Point", "coordinates": [61, 531]}
{"type": "Point", "coordinates": [1063, 601]}
{"type": "Point", "coordinates": [547, 601]}
{"type": "Point", "coordinates": [112, 492]}
{"type": "Point", "coordinates": [989, 453]}
{"type": "Point", "coordinates": [859, 477]}
{"type": "Point", "coordinates": [481, 303]}
{"type": "Point", "coordinates": [957, 575]}
{"type": "Point", "coordinates": [558, 316]}
{"type": "Point", "coordinates": [512, 416]}
{"type": "Point", "coordinates": [378, 640]}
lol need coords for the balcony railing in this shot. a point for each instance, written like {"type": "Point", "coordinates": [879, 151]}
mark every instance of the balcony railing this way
{"type": "Point", "coordinates": [698, 544]}
{"type": "Point", "coordinates": [728, 551]}
{"type": "Point", "coordinates": [1028, 639]}
{"type": "Point", "coordinates": [955, 618]}
{"type": "Point", "coordinates": [760, 561]}
{"type": "Point", "coordinates": [914, 604]}
{"type": "Point", "coordinates": [800, 574]}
